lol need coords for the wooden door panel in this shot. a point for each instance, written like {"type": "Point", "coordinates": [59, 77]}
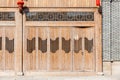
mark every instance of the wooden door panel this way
{"type": "Point", "coordinates": [10, 41]}
{"type": "Point", "coordinates": [7, 52]}
{"type": "Point", "coordinates": [54, 55]}
{"type": "Point", "coordinates": [1, 50]}
{"type": "Point", "coordinates": [59, 49]}
{"type": "Point", "coordinates": [30, 52]}
{"type": "Point", "coordinates": [89, 53]}
{"type": "Point", "coordinates": [66, 52]}
{"type": "Point", "coordinates": [9, 48]}
{"type": "Point", "coordinates": [78, 50]}
{"type": "Point", "coordinates": [42, 48]}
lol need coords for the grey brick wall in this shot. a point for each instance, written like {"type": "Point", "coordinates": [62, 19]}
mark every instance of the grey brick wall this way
{"type": "Point", "coordinates": [106, 29]}
{"type": "Point", "coordinates": [111, 30]}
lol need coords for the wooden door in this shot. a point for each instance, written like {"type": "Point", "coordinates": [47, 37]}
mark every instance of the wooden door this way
{"type": "Point", "coordinates": [10, 41]}
{"type": "Point", "coordinates": [84, 52]}
{"type": "Point", "coordinates": [55, 43]}
{"type": "Point", "coordinates": [50, 42]}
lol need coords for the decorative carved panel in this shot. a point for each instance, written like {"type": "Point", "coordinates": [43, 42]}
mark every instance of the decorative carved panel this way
{"type": "Point", "coordinates": [9, 45]}
{"type": "Point", "coordinates": [42, 45]}
{"type": "Point", "coordinates": [77, 45]}
{"type": "Point", "coordinates": [89, 45]}
{"type": "Point", "coordinates": [31, 45]}
{"type": "Point", "coordinates": [60, 16]}
{"type": "Point", "coordinates": [66, 45]}
{"type": "Point", "coordinates": [54, 45]}
{"type": "Point", "coordinates": [0, 43]}
{"type": "Point", "coordinates": [7, 16]}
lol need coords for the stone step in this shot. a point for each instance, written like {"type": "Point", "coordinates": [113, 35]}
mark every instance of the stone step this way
{"type": "Point", "coordinates": [59, 78]}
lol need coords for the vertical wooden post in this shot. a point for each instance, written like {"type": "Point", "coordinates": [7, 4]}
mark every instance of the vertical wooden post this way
{"type": "Point", "coordinates": [18, 48]}
{"type": "Point", "coordinates": [98, 43]}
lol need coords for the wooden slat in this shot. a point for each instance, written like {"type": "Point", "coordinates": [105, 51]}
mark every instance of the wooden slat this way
{"type": "Point", "coordinates": [30, 57]}
{"type": "Point", "coordinates": [1, 51]}
{"type": "Point", "coordinates": [52, 3]}
{"type": "Point", "coordinates": [60, 74]}
{"type": "Point", "coordinates": [42, 56]}
{"type": "Point", "coordinates": [78, 56]}
{"type": "Point", "coordinates": [54, 64]}
{"type": "Point", "coordinates": [9, 56]}
{"type": "Point", "coordinates": [66, 56]}
{"type": "Point", "coordinates": [63, 3]}
{"type": "Point", "coordinates": [54, 54]}
{"type": "Point", "coordinates": [61, 23]}
{"type": "Point", "coordinates": [89, 55]}
{"type": "Point", "coordinates": [98, 41]}
{"type": "Point", "coordinates": [10, 23]}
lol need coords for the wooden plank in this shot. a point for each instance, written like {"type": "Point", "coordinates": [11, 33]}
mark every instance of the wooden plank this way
{"type": "Point", "coordinates": [30, 51]}
{"type": "Point", "coordinates": [78, 51]}
{"type": "Point", "coordinates": [98, 43]}
{"type": "Point", "coordinates": [66, 53]}
{"type": "Point", "coordinates": [42, 47]}
{"type": "Point", "coordinates": [1, 50]}
{"type": "Point", "coordinates": [10, 23]}
{"type": "Point", "coordinates": [89, 53]}
{"type": "Point", "coordinates": [9, 48]}
{"type": "Point", "coordinates": [52, 3]}
{"type": "Point", "coordinates": [54, 54]}
{"type": "Point", "coordinates": [18, 43]}
{"type": "Point", "coordinates": [60, 74]}
{"type": "Point", "coordinates": [61, 23]}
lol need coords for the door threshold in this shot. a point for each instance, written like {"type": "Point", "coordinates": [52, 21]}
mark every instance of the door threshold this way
{"type": "Point", "coordinates": [60, 74]}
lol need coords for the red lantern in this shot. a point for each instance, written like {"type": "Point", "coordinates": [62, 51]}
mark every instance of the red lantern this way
{"type": "Point", "coordinates": [97, 2]}
{"type": "Point", "coordinates": [20, 4]}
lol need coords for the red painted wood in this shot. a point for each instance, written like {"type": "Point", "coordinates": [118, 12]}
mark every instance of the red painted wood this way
{"type": "Point", "coordinates": [97, 2]}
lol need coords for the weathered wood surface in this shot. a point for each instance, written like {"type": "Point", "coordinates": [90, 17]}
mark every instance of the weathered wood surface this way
{"type": "Point", "coordinates": [51, 46]}
{"type": "Point", "coordinates": [10, 43]}
{"type": "Point", "coordinates": [50, 3]}
{"type": "Point", "coordinates": [82, 40]}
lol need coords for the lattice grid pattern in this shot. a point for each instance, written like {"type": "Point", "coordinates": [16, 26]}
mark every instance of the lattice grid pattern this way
{"type": "Point", "coordinates": [7, 16]}
{"type": "Point", "coordinates": [60, 16]}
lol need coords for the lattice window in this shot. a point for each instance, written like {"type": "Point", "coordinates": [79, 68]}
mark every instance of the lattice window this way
{"type": "Point", "coordinates": [60, 16]}
{"type": "Point", "coordinates": [7, 16]}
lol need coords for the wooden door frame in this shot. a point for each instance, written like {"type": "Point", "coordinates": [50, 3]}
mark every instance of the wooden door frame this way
{"type": "Point", "coordinates": [98, 40]}
{"type": "Point", "coordinates": [19, 41]}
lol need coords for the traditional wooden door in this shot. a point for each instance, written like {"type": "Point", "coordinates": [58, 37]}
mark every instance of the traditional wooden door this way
{"type": "Point", "coordinates": [50, 42]}
{"type": "Point", "coordinates": [10, 41]}
{"type": "Point", "coordinates": [61, 42]}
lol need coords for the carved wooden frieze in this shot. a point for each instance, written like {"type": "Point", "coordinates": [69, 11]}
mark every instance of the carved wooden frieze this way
{"type": "Point", "coordinates": [89, 45]}
{"type": "Point", "coordinates": [7, 16]}
{"type": "Point", "coordinates": [42, 45]}
{"type": "Point", "coordinates": [9, 45]}
{"type": "Point", "coordinates": [31, 45]}
{"type": "Point", "coordinates": [54, 45]}
{"type": "Point", "coordinates": [77, 45]}
{"type": "Point", "coordinates": [0, 43]}
{"type": "Point", "coordinates": [60, 16]}
{"type": "Point", "coordinates": [66, 45]}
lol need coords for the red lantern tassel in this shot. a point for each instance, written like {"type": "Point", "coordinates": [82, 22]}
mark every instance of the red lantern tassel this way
{"type": "Point", "coordinates": [97, 2]}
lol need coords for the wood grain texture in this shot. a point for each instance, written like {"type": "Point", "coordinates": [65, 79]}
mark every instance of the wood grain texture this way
{"type": "Point", "coordinates": [54, 57]}
{"type": "Point", "coordinates": [52, 3]}
{"type": "Point", "coordinates": [42, 57]}
{"type": "Point", "coordinates": [66, 58]}
{"type": "Point", "coordinates": [1, 50]}
{"type": "Point", "coordinates": [9, 54]}
{"type": "Point", "coordinates": [78, 56]}
{"type": "Point", "coordinates": [30, 58]}
{"type": "Point", "coordinates": [82, 61]}
{"type": "Point", "coordinates": [89, 52]}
